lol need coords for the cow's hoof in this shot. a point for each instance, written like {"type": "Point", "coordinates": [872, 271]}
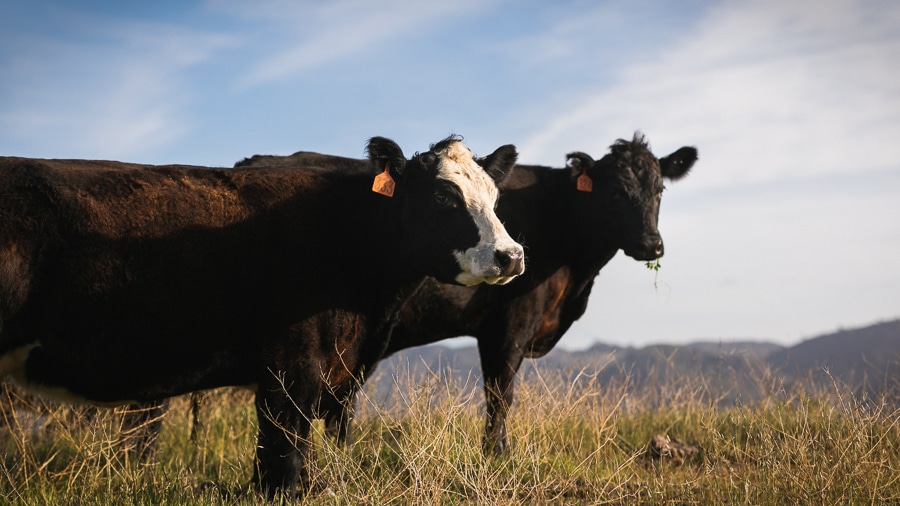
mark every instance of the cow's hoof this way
{"type": "Point", "coordinates": [495, 448]}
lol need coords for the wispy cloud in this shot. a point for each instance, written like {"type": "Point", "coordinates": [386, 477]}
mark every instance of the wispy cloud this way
{"type": "Point", "coordinates": [305, 35]}
{"type": "Point", "coordinates": [114, 89]}
{"type": "Point", "coordinates": [768, 89]}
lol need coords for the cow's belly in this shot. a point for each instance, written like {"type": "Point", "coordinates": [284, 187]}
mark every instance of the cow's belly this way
{"type": "Point", "coordinates": [552, 297]}
{"type": "Point", "coordinates": [110, 380]}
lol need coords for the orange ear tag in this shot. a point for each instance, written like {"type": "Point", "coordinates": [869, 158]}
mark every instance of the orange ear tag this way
{"type": "Point", "coordinates": [384, 183]}
{"type": "Point", "coordinates": [584, 183]}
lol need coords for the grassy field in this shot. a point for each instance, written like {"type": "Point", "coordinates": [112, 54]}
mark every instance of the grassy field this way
{"type": "Point", "coordinates": [570, 446]}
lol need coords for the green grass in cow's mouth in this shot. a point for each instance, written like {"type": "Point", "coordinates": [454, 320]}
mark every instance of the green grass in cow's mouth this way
{"type": "Point", "coordinates": [653, 265]}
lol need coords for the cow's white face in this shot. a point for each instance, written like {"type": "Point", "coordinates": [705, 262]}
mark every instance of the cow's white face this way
{"type": "Point", "coordinates": [497, 258]}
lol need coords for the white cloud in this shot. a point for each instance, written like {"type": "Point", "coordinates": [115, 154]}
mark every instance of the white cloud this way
{"type": "Point", "coordinates": [118, 97]}
{"type": "Point", "coordinates": [305, 35]}
{"type": "Point", "coordinates": [766, 90]}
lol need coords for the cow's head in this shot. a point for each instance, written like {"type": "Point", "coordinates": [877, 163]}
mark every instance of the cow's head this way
{"type": "Point", "coordinates": [449, 197]}
{"type": "Point", "coordinates": [627, 185]}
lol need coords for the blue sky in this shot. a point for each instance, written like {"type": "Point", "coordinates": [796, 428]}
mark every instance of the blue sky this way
{"type": "Point", "coordinates": [787, 227]}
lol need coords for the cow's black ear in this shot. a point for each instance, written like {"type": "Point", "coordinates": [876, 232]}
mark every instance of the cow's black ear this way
{"type": "Point", "coordinates": [677, 165]}
{"type": "Point", "coordinates": [382, 151]}
{"type": "Point", "coordinates": [499, 164]}
{"type": "Point", "coordinates": [578, 162]}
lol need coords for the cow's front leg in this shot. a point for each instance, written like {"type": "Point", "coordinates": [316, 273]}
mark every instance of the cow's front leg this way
{"type": "Point", "coordinates": [499, 367]}
{"type": "Point", "coordinates": [285, 457]}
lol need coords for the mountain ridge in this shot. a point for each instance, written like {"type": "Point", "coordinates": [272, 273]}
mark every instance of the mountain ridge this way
{"type": "Point", "coordinates": [865, 359]}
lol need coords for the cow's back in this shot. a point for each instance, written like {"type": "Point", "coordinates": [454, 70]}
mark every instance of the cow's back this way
{"type": "Point", "coordinates": [153, 271]}
{"type": "Point", "coordinates": [120, 199]}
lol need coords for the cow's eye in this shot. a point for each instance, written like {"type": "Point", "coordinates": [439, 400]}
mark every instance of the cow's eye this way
{"type": "Point", "coordinates": [442, 199]}
{"type": "Point", "coordinates": [448, 196]}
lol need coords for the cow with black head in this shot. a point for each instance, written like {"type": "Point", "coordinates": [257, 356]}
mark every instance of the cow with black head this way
{"type": "Point", "coordinates": [128, 283]}
{"type": "Point", "coordinates": [572, 222]}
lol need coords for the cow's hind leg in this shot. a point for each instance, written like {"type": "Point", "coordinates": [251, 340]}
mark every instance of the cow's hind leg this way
{"type": "Point", "coordinates": [337, 425]}
{"type": "Point", "coordinates": [141, 425]}
{"type": "Point", "coordinates": [338, 409]}
{"type": "Point", "coordinates": [196, 421]}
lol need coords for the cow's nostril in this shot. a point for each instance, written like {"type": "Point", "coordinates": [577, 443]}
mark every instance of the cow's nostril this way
{"type": "Point", "coordinates": [503, 259]}
{"type": "Point", "coordinates": [510, 261]}
{"type": "Point", "coordinates": [652, 246]}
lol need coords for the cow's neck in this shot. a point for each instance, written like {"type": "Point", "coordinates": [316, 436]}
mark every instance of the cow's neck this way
{"type": "Point", "coordinates": [356, 249]}
{"type": "Point", "coordinates": [386, 280]}
{"type": "Point", "coordinates": [385, 277]}
{"type": "Point", "coordinates": [584, 256]}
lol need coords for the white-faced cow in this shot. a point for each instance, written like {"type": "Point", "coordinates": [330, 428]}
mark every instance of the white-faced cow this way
{"type": "Point", "coordinates": [572, 222]}
{"type": "Point", "coordinates": [124, 283]}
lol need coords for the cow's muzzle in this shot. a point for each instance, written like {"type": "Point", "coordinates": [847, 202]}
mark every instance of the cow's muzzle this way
{"type": "Point", "coordinates": [649, 248]}
{"type": "Point", "coordinates": [489, 265]}
{"type": "Point", "coordinates": [509, 263]}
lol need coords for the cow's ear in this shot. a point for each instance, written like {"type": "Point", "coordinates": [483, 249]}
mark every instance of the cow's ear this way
{"type": "Point", "coordinates": [499, 164]}
{"type": "Point", "coordinates": [578, 162]}
{"type": "Point", "coordinates": [384, 151]}
{"type": "Point", "coordinates": [677, 165]}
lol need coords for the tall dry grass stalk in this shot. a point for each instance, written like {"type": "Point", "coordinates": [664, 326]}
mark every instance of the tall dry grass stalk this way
{"type": "Point", "coordinates": [574, 442]}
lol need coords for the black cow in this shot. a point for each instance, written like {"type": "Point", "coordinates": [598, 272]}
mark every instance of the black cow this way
{"type": "Point", "coordinates": [572, 222]}
{"type": "Point", "coordinates": [124, 283]}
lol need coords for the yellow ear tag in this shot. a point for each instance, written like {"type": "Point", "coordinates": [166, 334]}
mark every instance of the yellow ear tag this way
{"type": "Point", "coordinates": [584, 183]}
{"type": "Point", "coordinates": [384, 183]}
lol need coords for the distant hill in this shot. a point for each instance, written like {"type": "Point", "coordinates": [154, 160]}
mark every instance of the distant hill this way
{"type": "Point", "coordinates": [866, 359]}
{"type": "Point", "coordinates": [761, 349]}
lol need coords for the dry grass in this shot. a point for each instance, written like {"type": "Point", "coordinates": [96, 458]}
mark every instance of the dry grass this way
{"type": "Point", "coordinates": [571, 445]}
